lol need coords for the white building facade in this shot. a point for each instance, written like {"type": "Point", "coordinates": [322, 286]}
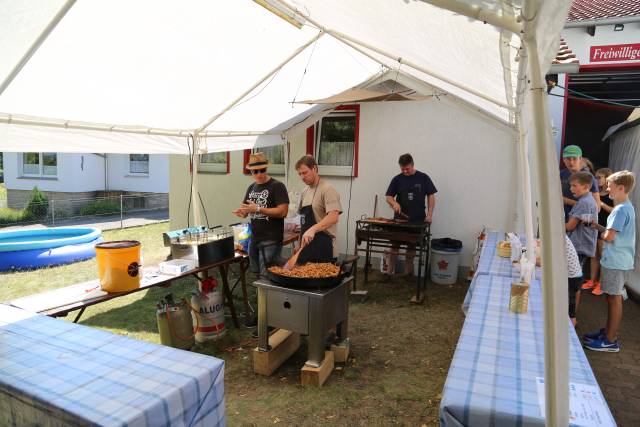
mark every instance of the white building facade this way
{"type": "Point", "coordinates": [66, 176]}
{"type": "Point", "coordinates": [449, 140]}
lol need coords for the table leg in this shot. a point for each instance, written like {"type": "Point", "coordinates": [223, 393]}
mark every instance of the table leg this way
{"type": "Point", "coordinates": [227, 294]}
{"type": "Point", "coordinates": [263, 333]}
{"type": "Point", "coordinates": [367, 256]}
{"type": "Point", "coordinates": [245, 294]}
{"type": "Point", "coordinates": [79, 315]}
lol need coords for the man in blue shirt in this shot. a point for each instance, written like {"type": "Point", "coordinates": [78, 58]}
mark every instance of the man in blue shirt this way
{"type": "Point", "coordinates": [410, 193]}
{"type": "Point", "coordinates": [617, 259]}
{"type": "Point", "coordinates": [572, 159]}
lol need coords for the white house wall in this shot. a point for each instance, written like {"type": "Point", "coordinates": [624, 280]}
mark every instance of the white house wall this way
{"type": "Point", "coordinates": [119, 177]}
{"type": "Point", "coordinates": [471, 161]}
{"type": "Point", "coordinates": [76, 173]}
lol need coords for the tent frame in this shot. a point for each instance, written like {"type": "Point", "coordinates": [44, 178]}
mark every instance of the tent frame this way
{"type": "Point", "coordinates": [554, 274]}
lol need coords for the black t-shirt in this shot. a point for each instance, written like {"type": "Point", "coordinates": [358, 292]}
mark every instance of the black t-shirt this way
{"type": "Point", "coordinates": [410, 192]}
{"type": "Point", "coordinates": [268, 195]}
{"type": "Point", "coordinates": [603, 215]}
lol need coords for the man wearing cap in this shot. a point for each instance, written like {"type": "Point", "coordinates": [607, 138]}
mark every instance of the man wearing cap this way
{"type": "Point", "coordinates": [572, 158]}
{"type": "Point", "coordinates": [266, 203]}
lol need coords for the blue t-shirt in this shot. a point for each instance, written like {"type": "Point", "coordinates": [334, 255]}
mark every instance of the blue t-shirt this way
{"type": "Point", "coordinates": [584, 237]}
{"type": "Point", "coordinates": [566, 191]}
{"type": "Point", "coordinates": [619, 254]}
{"type": "Point", "coordinates": [410, 192]}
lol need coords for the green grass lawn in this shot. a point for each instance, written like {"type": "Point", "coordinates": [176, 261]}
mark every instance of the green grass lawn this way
{"type": "Point", "coordinates": [130, 315]}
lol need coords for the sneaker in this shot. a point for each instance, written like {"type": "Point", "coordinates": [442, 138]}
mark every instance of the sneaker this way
{"type": "Point", "coordinates": [591, 336]}
{"type": "Point", "coordinates": [602, 344]}
{"type": "Point", "coordinates": [588, 284]}
{"type": "Point", "coordinates": [596, 289]}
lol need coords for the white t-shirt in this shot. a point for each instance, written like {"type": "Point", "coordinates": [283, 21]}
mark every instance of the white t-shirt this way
{"type": "Point", "coordinates": [573, 264]}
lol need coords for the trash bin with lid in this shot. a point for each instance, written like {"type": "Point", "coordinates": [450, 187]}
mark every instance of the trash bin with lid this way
{"type": "Point", "coordinates": [445, 258]}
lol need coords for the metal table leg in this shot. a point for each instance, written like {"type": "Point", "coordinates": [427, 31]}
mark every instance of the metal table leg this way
{"type": "Point", "coordinates": [245, 295]}
{"type": "Point", "coordinates": [79, 315]}
{"type": "Point", "coordinates": [263, 333]}
{"type": "Point", "coordinates": [367, 256]}
{"type": "Point", "coordinates": [227, 294]}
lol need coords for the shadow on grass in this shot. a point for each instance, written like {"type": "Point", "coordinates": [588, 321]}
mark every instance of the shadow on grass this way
{"type": "Point", "coordinates": [139, 314]}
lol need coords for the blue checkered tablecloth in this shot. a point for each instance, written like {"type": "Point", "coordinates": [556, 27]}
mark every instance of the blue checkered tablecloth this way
{"type": "Point", "coordinates": [499, 356]}
{"type": "Point", "coordinates": [491, 263]}
{"type": "Point", "coordinates": [73, 374]}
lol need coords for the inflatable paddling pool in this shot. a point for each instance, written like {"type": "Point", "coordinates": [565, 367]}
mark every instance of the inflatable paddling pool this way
{"type": "Point", "coordinates": [35, 248]}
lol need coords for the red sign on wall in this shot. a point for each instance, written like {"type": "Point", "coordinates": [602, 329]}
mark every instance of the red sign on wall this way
{"type": "Point", "coordinates": [615, 52]}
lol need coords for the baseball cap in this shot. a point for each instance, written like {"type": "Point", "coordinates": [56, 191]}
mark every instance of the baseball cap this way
{"type": "Point", "coordinates": [572, 151]}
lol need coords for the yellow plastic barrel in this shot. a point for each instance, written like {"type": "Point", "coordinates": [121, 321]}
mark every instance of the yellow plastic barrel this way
{"type": "Point", "coordinates": [118, 265]}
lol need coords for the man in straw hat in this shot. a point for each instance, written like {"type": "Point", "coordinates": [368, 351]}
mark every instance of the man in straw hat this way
{"type": "Point", "coordinates": [266, 203]}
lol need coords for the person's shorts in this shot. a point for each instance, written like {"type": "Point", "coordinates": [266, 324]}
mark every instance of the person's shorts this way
{"type": "Point", "coordinates": [612, 281]}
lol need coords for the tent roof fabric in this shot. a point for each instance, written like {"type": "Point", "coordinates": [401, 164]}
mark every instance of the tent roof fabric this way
{"type": "Point", "coordinates": [170, 67]}
{"type": "Point", "coordinates": [363, 95]}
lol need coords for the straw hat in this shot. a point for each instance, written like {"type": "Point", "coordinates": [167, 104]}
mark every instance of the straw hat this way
{"type": "Point", "coordinates": [257, 161]}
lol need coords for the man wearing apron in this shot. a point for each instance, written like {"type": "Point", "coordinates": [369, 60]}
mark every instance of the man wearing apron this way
{"type": "Point", "coordinates": [320, 211]}
{"type": "Point", "coordinates": [406, 195]}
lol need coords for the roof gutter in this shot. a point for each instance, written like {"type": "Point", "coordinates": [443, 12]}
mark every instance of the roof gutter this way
{"type": "Point", "coordinates": [602, 21]}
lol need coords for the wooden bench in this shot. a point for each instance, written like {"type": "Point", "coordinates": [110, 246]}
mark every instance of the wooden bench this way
{"type": "Point", "coordinates": [60, 302]}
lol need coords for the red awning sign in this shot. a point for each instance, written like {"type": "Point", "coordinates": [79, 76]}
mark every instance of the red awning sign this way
{"type": "Point", "coordinates": [615, 53]}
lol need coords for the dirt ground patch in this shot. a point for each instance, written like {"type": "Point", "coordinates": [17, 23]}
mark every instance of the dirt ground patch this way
{"type": "Point", "coordinates": [399, 361]}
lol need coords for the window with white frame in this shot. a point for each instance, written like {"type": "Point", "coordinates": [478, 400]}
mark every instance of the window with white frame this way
{"type": "Point", "coordinates": [139, 164]}
{"type": "Point", "coordinates": [214, 162]}
{"type": "Point", "coordinates": [275, 154]}
{"type": "Point", "coordinates": [335, 143]}
{"type": "Point", "coordinates": [43, 165]}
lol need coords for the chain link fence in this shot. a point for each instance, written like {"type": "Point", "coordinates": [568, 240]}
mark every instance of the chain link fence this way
{"type": "Point", "coordinates": [61, 212]}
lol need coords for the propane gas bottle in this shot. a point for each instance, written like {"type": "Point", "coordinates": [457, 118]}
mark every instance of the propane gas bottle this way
{"type": "Point", "coordinates": [208, 312]}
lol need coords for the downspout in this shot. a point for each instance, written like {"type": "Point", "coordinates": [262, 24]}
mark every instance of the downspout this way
{"type": "Point", "coordinates": [106, 169]}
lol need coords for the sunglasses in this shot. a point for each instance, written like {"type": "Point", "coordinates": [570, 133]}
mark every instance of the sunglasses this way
{"type": "Point", "coordinates": [257, 171]}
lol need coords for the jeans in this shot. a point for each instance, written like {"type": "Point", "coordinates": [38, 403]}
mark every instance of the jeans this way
{"type": "Point", "coordinates": [264, 254]}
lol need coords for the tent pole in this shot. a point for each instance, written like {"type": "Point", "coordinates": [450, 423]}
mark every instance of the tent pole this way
{"type": "Point", "coordinates": [56, 123]}
{"type": "Point", "coordinates": [343, 37]}
{"type": "Point", "coordinates": [195, 199]}
{"type": "Point", "coordinates": [36, 44]}
{"type": "Point", "coordinates": [505, 22]}
{"type": "Point", "coordinates": [525, 176]}
{"type": "Point", "coordinates": [554, 273]}
{"type": "Point", "coordinates": [258, 83]}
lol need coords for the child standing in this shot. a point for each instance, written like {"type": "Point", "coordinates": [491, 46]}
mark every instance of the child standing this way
{"type": "Point", "coordinates": [606, 206]}
{"type": "Point", "coordinates": [581, 216]}
{"type": "Point", "coordinates": [618, 253]}
{"type": "Point", "coordinates": [574, 271]}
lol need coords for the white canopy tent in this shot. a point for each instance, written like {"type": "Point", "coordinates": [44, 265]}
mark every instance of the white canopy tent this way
{"type": "Point", "coordinates": [109, 76]}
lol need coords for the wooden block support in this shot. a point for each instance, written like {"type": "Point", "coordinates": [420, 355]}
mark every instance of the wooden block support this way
{"type": "Point", "coordinates": [317, 376]}
{"type": "Point", "coordinates": [341, 351]}
{"type": "Point", "coordinates": [283, 344]}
